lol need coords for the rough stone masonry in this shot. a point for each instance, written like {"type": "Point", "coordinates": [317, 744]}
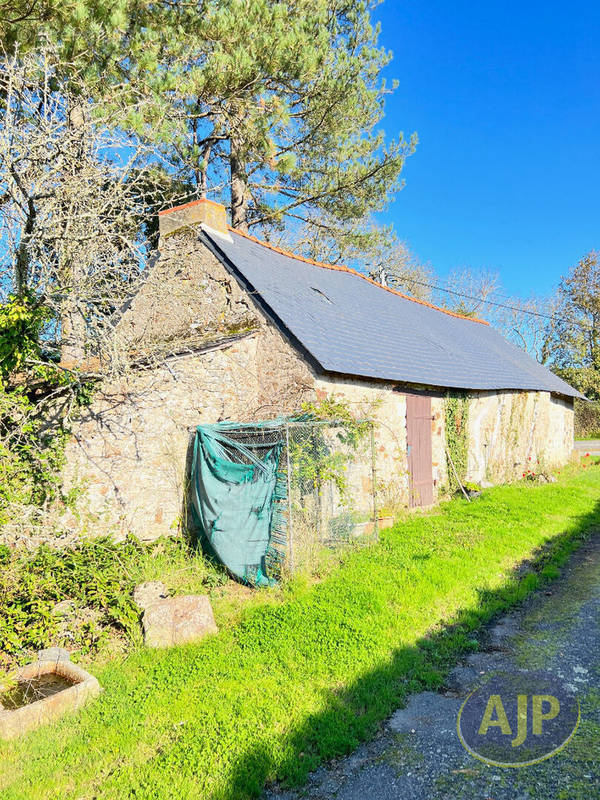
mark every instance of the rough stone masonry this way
{"type": "Point", "coordinates": [201, 350]}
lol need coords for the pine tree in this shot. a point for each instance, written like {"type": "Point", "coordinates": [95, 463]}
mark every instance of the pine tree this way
{"type": "Point", "coordinates": [272, 106]}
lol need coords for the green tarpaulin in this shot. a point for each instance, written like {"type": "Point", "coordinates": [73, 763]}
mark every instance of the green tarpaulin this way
{"type": "Point", "coordinates": [236, 491]}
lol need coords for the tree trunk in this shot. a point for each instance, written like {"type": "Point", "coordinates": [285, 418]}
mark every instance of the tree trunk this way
{"type": "Point", "coordinates": [203, 172]}
{"type": "Point", "coordinates": [239, 188]}
{"type": "Point", "coordinates": [22, 262]}
{"type": "Point", "coordinates": [73, 333]}
{"type": "Point", "coordinates": [72, 319]}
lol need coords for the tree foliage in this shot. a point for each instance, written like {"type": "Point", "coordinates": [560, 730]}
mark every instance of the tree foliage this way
{"type": "Point", "coordinates": [396, 266]}
{"type": "Point", "coordinates": [573, 339]}
{"type": "Point", "coordinates": [274, 106]}
{"type": "Point", "coordinates": [21, 323]}
{"type": "Point", "coordinates": [70, 254]}
{"type": "Point", "coordinates": [576, 335]}
{"type": "Point", "coordinates": [468, 290]}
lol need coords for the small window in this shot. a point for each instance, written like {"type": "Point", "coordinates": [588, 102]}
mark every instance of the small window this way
{"type": "Point", "coordinates": [323, 295]}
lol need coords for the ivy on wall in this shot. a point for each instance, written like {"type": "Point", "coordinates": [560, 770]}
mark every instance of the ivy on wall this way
{"type": "Point", "coordinates": [456, 408]}
{"type": "Point", "coordinates": [316, 458]}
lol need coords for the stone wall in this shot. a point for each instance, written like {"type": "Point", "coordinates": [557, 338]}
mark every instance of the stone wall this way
{"type": "Point", "coordinates": [510, 432]}
{"type": "Point", "coordinates": [385, 403]}
{"type": "Point", "coordinates": [130, 449]}
{"type": "Point", "coordinates": [438, 445]}
{"type": "Point", "coordinates": [205, 354]}
{"type": "Point", "coordinates": [188, 300]}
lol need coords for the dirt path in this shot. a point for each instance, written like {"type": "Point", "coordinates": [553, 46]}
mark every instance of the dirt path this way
{"type": "Point", "coordinates": [418, 756]}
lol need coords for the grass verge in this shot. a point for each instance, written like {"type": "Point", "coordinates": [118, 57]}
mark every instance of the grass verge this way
{"type": "Point", "coordinates": [306, 674]}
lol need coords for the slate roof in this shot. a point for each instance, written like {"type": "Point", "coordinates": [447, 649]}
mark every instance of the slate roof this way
{"type": "Point", "coordinates": [351, 325]}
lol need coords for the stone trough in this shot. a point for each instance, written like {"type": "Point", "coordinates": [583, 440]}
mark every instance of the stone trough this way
{"type": "Point", "coordinates": [45, 690]}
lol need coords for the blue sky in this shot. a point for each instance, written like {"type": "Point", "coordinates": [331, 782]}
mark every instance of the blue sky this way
{"type": "Point", "coordinates": [505, 98]}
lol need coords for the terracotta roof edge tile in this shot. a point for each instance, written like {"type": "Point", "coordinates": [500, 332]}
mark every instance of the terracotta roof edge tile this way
{"type": "Point", "coordinates": [199, 201]}
{"type": "Point", "coordinates": [343, 268]}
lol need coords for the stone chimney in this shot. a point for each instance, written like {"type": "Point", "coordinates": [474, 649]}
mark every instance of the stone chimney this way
{"type": "Point", "coordinates": [204, 212]}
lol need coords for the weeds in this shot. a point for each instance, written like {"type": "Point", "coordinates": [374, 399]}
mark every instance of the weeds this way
{"type": "Point", "coordinates": [82, 596]}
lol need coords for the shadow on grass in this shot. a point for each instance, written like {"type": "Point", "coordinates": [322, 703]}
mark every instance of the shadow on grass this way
{"type": "Point", "coordinates": [353, 714]}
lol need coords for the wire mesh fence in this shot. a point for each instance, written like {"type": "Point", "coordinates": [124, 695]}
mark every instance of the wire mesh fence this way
{"type": "Point", "coordinates": [325, 493]}
{"type": "Point", "coordinates": [331, 480]}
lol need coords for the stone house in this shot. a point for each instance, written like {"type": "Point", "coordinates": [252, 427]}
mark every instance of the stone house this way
{"type": "Point", "coordinates": [226, 327]}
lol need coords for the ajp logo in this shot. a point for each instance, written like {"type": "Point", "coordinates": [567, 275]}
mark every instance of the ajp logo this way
{"type": "Point", "coordinates": [514, 720]}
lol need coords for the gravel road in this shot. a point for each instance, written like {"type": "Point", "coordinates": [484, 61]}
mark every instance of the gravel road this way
{"type": "Point", "coordinates": [417, 755]}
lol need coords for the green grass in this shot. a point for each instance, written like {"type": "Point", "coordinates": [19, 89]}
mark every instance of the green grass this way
{"type": "Point", "coordinates": [306, 673]}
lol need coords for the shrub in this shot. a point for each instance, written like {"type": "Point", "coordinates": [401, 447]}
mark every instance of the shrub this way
{"type": "Point", "coordinates": [30, 454]}
{"type": "Point", "coordinates": [587, 419]}
{"type": "Point", "coordinates": [94, 580]}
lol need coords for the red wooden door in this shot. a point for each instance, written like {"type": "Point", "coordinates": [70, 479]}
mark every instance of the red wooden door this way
{"type": "Point", "coordinates": [418, 440]}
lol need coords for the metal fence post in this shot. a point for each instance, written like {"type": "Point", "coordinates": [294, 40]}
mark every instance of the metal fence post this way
{"type": "Point", "coordinates": [289, 494]}
{"type": "Point", "coordinates": [374, 479]}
